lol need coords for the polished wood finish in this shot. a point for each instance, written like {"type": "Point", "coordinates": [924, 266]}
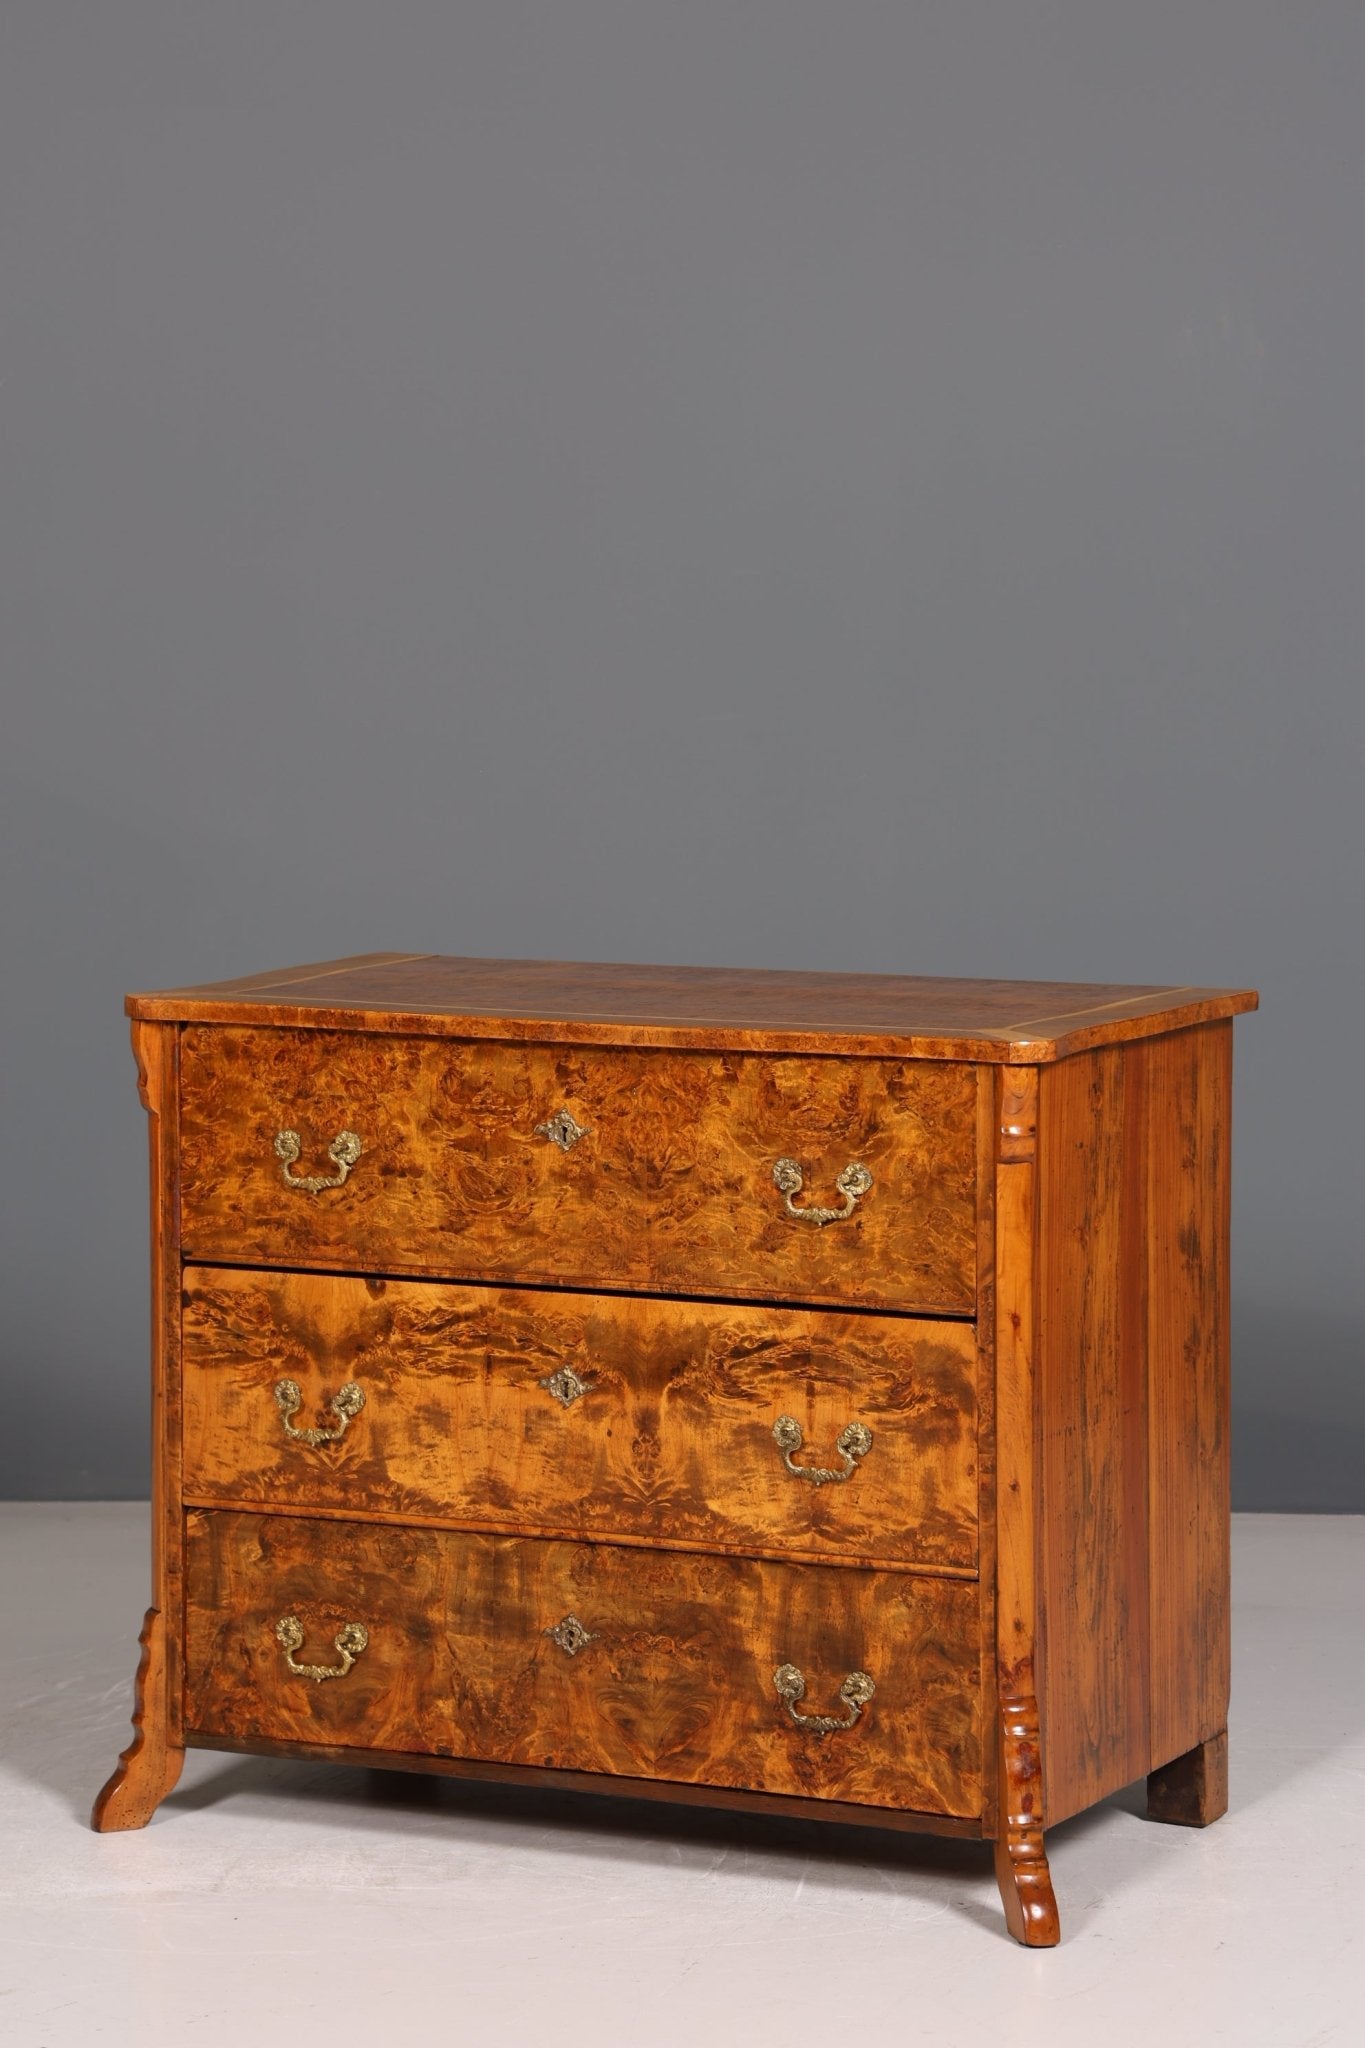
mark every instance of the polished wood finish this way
{"type": "Point", "coordinates": [150, 1767]}
{"type": "Point", "coordinates": [1094, 1454]}
{"type": "Point", "coordinates": [1187, 1217]}
{"type": "Point", "coordinates": [1192, 1789]}
{"type": "Point", "coordinates": [1021, 1866]}
{"type": "Point", "coordinates": [570, 1002]}
{"type": "Point", "coordinates": [676, 1680]}
{"type": "Point", "coordinates": [1028, 1309]}
{"type": "Point", "coordinates": [1133, 1398]}
{"type": "Point", "coordinates": [597, 1784]}
{"type": "Point", "coordinates": [674, 1434]}
{"type": "Point", "coordinates": [671, 1189]}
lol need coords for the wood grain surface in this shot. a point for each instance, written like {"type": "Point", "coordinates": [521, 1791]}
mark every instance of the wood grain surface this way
{"type": "Point", "coordinates": [1133, 1400]}
{"type": "Point", "coordinates": [149, 1767]}
{"type": "Point", "coordinates": [1021, 1865]}
{"type": "Point", "coordinates": [672, 1187]}
{"type": "Point", "coordinates": [672, 1441]}
{"type": "Point", "coordinates": [1094, 1450]}
{"type": "Point", "coordinates": [1187, 1224]}
{"type": "Point", "coordinates": [654, 1791]}
{"type": "Point", "coordinates": [676, 1681]}
{"type": "Point", "coordinates": [586, 1003]}
{"type": "Point", "coordinates": [1019, 1804]}
{"type": "Point", "coordinates": [1191, 1791]}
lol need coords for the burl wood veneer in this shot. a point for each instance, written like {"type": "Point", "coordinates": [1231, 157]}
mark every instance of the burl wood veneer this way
{"type": "Point", "coordinates": [803, 1392]}
{"type": "Point", "coordinates": [668, 1187]}
{"type": "Point", "coordinates": [584, 1414]}
{"type": "Point", "coordinates": [672, 1676]}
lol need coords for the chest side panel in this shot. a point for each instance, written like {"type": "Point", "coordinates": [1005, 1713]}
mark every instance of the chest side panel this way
{"type": "Point", "coordinates": [1132, 1390]}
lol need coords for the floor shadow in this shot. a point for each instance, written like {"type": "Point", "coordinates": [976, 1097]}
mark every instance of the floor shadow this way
{"type": "Point", "coordinates": [573, 1822]}
{"type": "Point", "coordinates": [354, 1796]}
{"type": "Point", "coordinates": [606, 1824]}
{"type": "Point", "coordinates": [550, 1820]}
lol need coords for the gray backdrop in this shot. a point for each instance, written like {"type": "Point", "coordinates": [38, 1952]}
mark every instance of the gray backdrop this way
{"type": "Point", "coordinates": [815, 485]}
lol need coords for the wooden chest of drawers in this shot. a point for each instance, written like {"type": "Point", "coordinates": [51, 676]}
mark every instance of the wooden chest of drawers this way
{"type": "Point", "coordinates": [769, 1390]}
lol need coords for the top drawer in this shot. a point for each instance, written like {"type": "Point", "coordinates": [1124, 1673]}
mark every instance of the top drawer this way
{"type": "Point", "coordinates": [575, 1165]}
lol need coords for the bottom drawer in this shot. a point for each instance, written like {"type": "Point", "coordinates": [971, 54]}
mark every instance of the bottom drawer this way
{"type": "Point", "coordinates": [586, 1657]}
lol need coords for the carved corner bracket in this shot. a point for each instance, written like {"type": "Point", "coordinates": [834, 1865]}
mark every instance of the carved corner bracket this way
{"type": "Point", "coordinates": [152, 1044]}
{"type": "Point", "coordinates": [151, 1764]}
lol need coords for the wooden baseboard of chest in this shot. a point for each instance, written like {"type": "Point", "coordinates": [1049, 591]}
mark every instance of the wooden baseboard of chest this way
{"type": "Point", "coordinates": [776, 1392]}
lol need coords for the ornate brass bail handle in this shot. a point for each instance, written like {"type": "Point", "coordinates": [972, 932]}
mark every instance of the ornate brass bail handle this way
{"type": "Point", "coordinates": [855, 1441]}
{"type": "Point", "coordinates": [348, 1643]}
{"type": "Point", "coordinates": [853, 1183]}
{"type": "Point", "coordinates": [345, 1404]}
{"type": "Point", "coordinates": [856, 1690]}
{"type": "Point", "coordinates": [344, 1151]}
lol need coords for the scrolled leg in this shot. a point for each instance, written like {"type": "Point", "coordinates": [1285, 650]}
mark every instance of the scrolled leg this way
{"type": "Point", "coordinates": [1192, 1789]}
{"type": "Point", "coordinates": [150, 1766]}
{"type": "Point", "coordinates": [1021, 1868]}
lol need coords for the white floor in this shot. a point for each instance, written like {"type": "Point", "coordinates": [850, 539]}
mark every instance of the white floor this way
{"type": "Point", "coordinates": [311, 1905]}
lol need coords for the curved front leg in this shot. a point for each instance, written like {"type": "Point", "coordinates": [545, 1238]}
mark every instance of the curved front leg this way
{"type": "Point", "coordinates": [1021, 1868]}
{"type": "Point", "coordinates": [150, 1766]}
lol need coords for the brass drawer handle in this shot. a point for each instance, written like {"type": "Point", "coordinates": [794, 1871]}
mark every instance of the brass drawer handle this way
{"type": "Point", "coordinates": [346, 1403]}
{"type": "Point", "coordinates": [348, 1643]}
{"type": "Point", "coordinates": [853, 1183]}
{"type": "Point", "coordinates": [856, 1690]}
{"type": "Point", "coordinates": [855, 1441]}
{"type": "Point", "coordinates": [344, 1150]}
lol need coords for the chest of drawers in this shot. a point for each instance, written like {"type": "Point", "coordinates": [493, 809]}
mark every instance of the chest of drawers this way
{"type": "Point", "coordinates": [771, 1390]}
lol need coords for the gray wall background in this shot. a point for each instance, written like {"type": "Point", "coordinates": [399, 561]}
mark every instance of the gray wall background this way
{"type": "Point", "coordinates": [811, 485]}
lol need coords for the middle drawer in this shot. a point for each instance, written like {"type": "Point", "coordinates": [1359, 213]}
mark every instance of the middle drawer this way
{"type": "Point", "coordinates": [769, 1431]}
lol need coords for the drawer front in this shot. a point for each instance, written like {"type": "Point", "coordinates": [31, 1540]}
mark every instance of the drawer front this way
{"type": "Point", "coordinates": [587, 1657]}
{"type": "Point", "coordinates": [584, 1414]}
{"type": "Point", "coordinates": [615, 1168]}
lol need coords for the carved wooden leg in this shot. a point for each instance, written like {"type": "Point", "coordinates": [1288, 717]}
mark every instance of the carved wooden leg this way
{"type": "Point", "coordinates": [149, 1766]}
{"type": "Point", "coordinates": [1020, 1859]}
{"type": "Point", "coordinates": [1193, 1789]}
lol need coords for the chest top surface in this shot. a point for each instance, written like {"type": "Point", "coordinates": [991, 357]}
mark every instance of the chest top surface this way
{"type": "Point", "coordinates": [574, 1002]}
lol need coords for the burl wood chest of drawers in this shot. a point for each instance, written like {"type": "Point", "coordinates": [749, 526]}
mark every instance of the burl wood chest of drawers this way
{"type": "Point", "coordinates": [772, 1390]}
